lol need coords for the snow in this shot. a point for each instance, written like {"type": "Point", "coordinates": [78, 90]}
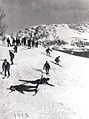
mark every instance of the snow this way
{"type": "Point", "coordinates": [69, 99]}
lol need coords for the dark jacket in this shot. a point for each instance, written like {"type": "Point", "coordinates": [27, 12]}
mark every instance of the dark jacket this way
{"type": "Point", "coordinates": [57, 59]}
{"type": "Point", "coordinates": [5, 66]}
{"type": "Point", "coordinates": [47, 50]}
{"type": "Point", "coordinates": [46, 66]}
{"type": "Point", "coordinates": [11, 54]}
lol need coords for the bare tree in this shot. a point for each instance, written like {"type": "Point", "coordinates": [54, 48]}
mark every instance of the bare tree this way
{"type": "Point", "coordinates": [3, 26]}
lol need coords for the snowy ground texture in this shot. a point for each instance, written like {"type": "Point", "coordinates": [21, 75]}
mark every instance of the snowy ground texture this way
{"type": "Point", "coordinates": [69, 99]}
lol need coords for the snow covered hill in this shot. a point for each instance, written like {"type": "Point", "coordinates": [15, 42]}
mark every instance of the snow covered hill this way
{"type": "Point", "coordinates": [73, 37]}
{"type": "Point", "coordinates": [69, 99]}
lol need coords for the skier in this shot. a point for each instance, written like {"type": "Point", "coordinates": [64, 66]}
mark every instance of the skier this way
{"type": "Point", "coordinates": [48, 51]}
{"type": "Point", "coordinates": [15, 49]}
{"type": "Point", "coordinates": [22, 88]}
{"type": "Point", "coordinates": [13, 41]}
{"type": "Point", "coordinates": [24, 41]}
{"type": "Point", "coordinates": [18, 41]}
{"type": "Point", "coordinates": [11, 56]}
{"type": "Point", "coordinates": [6, 68]}
{"type": "Point", "coordinates": [46, 67]}
{"type": "Point", "coordinates": [33, 43]}
{"type": "Point", "coordinates": [29, 43]}
{"type": "Point", "coordinates": [8, 42]}
{"type": "Point", "coordinates": [36, 44]}
{"type": "Point", "coordinates": [42, 80]}
{"type": "Point", "coordinates": [57, 60]}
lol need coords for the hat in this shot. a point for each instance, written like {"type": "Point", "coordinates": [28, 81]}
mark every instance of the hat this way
{"type": "Point", "coordinates": [48, 78]}
{"type": "Point", "coordinates": [5, 59]}
{"type": "Point", "coordinates": [12, 88]}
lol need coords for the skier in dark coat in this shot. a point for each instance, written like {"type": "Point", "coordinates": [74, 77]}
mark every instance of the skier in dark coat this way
{"type": "Point", "coordinates": [46, 67]}
{"type": "Point", "coordinates": [6, 68]}
{"type": "Point", "coordinates": [33, 43]}
{"type": "Point", "coordinates": [24, 41]}
{"type": "Point", "coordinates": [18, 41]}
{"type": "Point", "coordinates": [40, 81]}
{"type": "Point", "coordinates": [29, 43]}
{"type": "Point", "coordinates": [13, 41]}
{"type": "Point", "coordinates": [11, 56]}
{"type": "Point", "coordinates": [8, 42]}
{"type": "Point", "coordinates": [48, 51]}
{"type": "Point", "coordinates": [23, 88]}
{"type": "Point", "coordinates": [15, 49]}
{"type": "Point", "coordinates": [36, 44]}
{"type": "Point", "coordinates": [57, 60]}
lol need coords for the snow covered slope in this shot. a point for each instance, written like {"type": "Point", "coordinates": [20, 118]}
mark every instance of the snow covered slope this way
{"type": "Point", "coordinates": [69, 99]}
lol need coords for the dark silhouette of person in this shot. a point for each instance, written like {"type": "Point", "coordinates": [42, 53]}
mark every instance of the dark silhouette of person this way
{"type": "Point", "coordinates": [23, 88]}
{"type": "Point", "coordinates": [46, 67]}
{"type": "Point", "coordinates": [40, 81]}
{"type": "Point", "coordinates": [57, 60]}
{"type": "Point", "coordinates": [48, 51]}
{"type": "Point", "coordinates": [18, 41]}
{"type": "Point", "coordinates": [8, 42]}
{"type": "Point", "coordinates": [13, 41]}
{"type": "Point", "coordinates": [11, 56]}
{"type": "Point", "coordinates": [29, 43]}
{"type": "Point", "coordinates": [33, 43]}
{"type": "Point", "coordinates": [15, 49]}
{"type": "Point", "coordinates": [24, 41]}
{"type": "Point", "coordinates": [6, 67]}
{"type": "Point", "coordinates": [36, 44]}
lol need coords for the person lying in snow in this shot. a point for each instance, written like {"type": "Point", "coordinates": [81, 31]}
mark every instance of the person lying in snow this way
{"type": "Point", "coordinates": [23, 88]}
{"type": "Point", "coordinates": [40, 81]}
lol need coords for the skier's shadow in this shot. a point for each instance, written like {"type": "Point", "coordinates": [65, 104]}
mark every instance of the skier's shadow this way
{"type": "Point", "coordinates": [23, 88]}
{"type": "Point", "coordinates": [39, 70]}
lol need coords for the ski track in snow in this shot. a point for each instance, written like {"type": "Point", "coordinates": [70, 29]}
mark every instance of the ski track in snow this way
{"type": "Point", "coordinates": [64, 101]}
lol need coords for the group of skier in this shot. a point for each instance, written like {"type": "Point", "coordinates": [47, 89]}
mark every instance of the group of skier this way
{"type": "Point", "coordinates": [46, 66]}
{"type": "Point", "coordinates": [28, 41]}
{"type": "Point", "coordinates": [6, 65]}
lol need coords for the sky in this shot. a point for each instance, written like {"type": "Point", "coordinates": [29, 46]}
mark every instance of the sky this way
{"type": "Point", "coordinates": [24, 13]}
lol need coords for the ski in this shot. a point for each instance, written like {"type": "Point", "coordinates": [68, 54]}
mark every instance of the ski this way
{"type": "Point", "coordinates": [56, 63]}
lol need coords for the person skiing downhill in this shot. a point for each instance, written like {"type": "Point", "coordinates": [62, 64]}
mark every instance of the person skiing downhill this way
{"type": "Point", "coordinates": [15, 49]}
{"type": "Point", "coordinates": [36, 44]}
{"type": "Point", "coordinates": [33, 43]}
{"type": "Point", "coordinates": [6, 68]}
{"type": "Point", "coordinates": [11, 56]}
{"type": "Point", "coordinates": [29, 43]}
{"type": "Point", "coordinates": [13, 41]}
{"type": "Point", "coordinates": [8, 42]}
{"type": "Point", "coordinates": [48, 51]}
{"type": "Point", "coordinates": [46, 67]}
{"type": "Point", "coordinates": [57, 60]}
